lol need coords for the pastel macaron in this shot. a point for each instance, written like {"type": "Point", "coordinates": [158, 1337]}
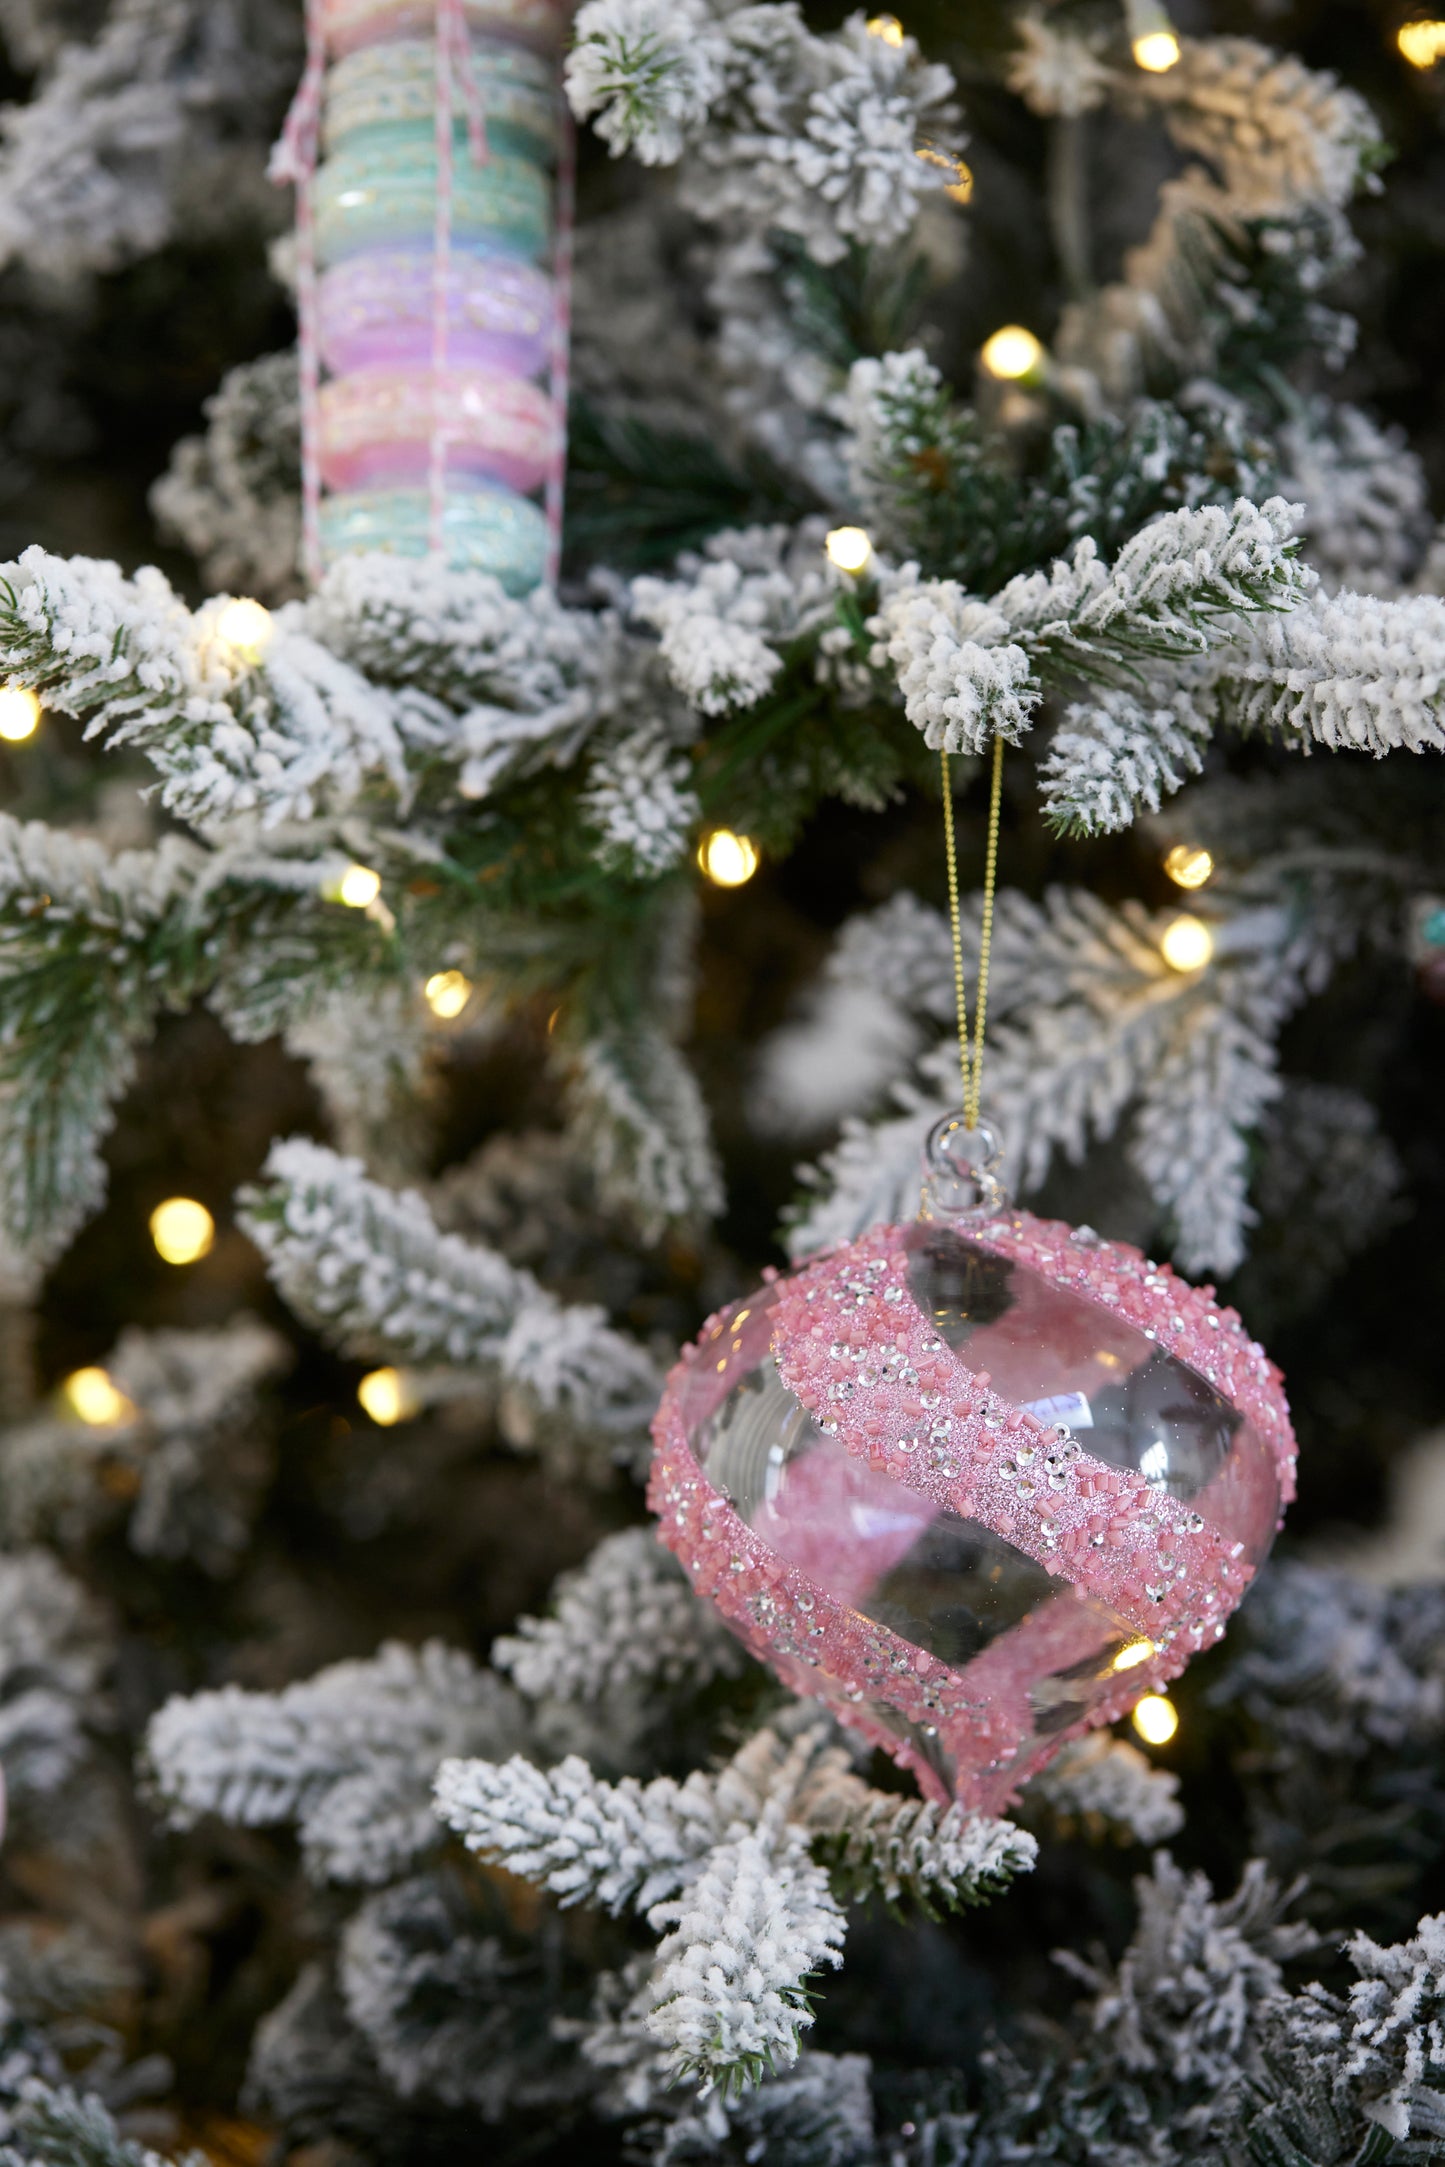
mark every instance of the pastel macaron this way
{"type": "Point", "coordinates": [348, 24]}
{"type": "Point", "coordinates": [378, 86]}
{"type": "Point", "coordinates": [381, 192]}
{"type": "Point", "coordinates": [375, 311]}
{"type": "Point", "coordinates": [377, 427]}
{"type": "Point", "coordinates": [484, 530]}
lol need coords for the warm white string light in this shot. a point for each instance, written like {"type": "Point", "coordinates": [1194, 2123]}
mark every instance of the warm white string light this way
{"type": "Point", "coordinates": [1187, 943]}
{"type": "Point", "coordinates": [1011, 354]}
{"type": "Point", "coordinates": [388, 1396]}
{"type": "Point", "coordinates": [849, 548]}
{"type": "Point", "coordinates": [19, 713]}
{"type": "Point", "coordinates": [183, 1230]}
{"type": "Point", "coordinates": [1422, 43]}
{"type": "Point", "coordinates": [447, 993]}
{"type": "Point", "coordinates": [93, 1398]}
{"type": "Point", "coordinates": [245, 625]}
{"type": "Point", "coordinates": [727, 859]}
{"type": "Point", "coordinates": [1189, 865]}
{"type": "Point", "coordinates": [1156, 1719]}
{"type": "Point", "coordinates": [358, 888]}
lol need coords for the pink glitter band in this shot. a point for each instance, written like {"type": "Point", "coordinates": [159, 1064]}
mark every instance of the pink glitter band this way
{"type": "Point", "coordinates": [1144, 1560]}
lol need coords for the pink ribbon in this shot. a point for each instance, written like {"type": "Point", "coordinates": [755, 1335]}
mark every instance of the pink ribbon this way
{"type": "Point", "coordinates": [559, 360]}
{"type": "Point", "coordinates": [294, 159]}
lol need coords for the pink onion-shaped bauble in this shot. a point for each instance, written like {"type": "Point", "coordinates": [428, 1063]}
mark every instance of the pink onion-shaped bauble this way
{"type": "Point", "coordinates": [977, 1485]}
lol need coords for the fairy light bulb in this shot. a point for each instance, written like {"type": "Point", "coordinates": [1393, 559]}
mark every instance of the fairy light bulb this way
{"type": "Point", "coordinates": [1187, 943]}
{"type": "Point", "coordinates": [1157, 52]}
{"type": "Point", "coordinates": [1421, 43]}
{"type": "Point", "coordinates": [94, 1399]}
{"type": "Point", "coordinates": [387, 1396]}
{"type": "Point", "coordinates": [183, 1230]}
{"type": "Point", "coordinates": [848, 548]}
{"type": "Point", "coordinates": [245, 625]}
{"type": "Point", "coordinates": [886, 27]}
{"type": "Point", "coordinates": [1156, 1719]}
{"type": "Point", "coordinates": [358, 887]}
{"type": "Point", "coordinates": [1137, 1652]}
{"type": "Point", "coordinates": [1189, 865]}
{"type": "Point", "coordinates": [727, 859]}
{"type": "Point", "coordinates": [19, 713]}
{"type": "Point", "coordinates": [447, 993]}
{"type": "Point", "coordinates": [1011, 354]}
{"type": "Point", "coordinates": [1151, 36]}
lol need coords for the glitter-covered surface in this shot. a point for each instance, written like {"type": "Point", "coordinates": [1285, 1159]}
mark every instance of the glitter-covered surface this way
{"type": "Point", "coordinates": [375, 311]}
{"type": "Point", "coordinates": [377, 427]}
{"type": "Point", "coordinates": [352, 23]}
{"type": "Point", "coordinates": [1132, 1568]}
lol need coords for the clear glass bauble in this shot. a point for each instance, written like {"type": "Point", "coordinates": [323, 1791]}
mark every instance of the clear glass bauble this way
{"type": "Point", "coordinates": [1030, 1458]}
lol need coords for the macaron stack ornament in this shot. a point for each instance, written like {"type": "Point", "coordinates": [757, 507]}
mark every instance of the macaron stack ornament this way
{"type": "Point", "coordinates": [979, 1482]}
{"type": "Point", "coordinates": [433, 281]}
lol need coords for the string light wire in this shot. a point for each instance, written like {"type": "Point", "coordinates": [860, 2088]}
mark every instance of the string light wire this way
{"type": "Point", "coordinates": [970, 1064]}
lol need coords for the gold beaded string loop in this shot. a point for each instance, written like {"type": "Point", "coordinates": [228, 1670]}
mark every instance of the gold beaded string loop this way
{"type": "Point", "coordinates": [970, 1068]}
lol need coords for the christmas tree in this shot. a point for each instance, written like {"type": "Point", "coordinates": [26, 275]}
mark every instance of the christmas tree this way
{"type": "Point", "coordinates": [474, 897]}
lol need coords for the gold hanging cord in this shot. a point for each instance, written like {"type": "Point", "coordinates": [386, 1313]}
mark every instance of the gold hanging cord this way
{"type": "Point", "coordinates": [970, 1068]}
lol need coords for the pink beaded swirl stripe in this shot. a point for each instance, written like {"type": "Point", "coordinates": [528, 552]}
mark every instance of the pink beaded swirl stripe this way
{"type": "Point", "coordinates": [947, 1435]}
{"type": "Point", "coordinates": [1148, 1560]}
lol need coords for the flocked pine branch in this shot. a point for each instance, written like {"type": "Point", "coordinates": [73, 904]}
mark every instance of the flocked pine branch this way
{"type": "Point", "coordinates": [1349, 671]}
{"type": "Point", "coordinates": [970, 670]}
{"type": "Point", "coordinates": [735, 613]}
{"type": "Point", "coordinates": [1090, 1023]}
{"type": "Point", "coordinates": [1104, 1782]}
{"type": "Point", "coordinates": [639, 798]}
{"type": "Point", "coordinates": [778, 128]}
{"type": "Point", "coordinates": [154, 127]}
{"type": "Point", "coordinates": [1166, 592]}
{"type": "Point", "coordinates": [53, 1657]}
{"type": "Point", "coordinates": [57, 2127]}
{"type": "Point", "coordinates": [1366, 517]}
{"type": "Point", "coordinates": [730, 1993]}
{"type": "Point", "coordinates": [1116, 755]}
{"type": "Point", "coordinates": [1286, 148]}
{"type": "Point", "coordinates": [229, 731]}
{"type": "Point", "coordinates": [93, 946]}
{"type": "Point", "coordinates": [636, 1107]}
{"type": "Point", "coordinates": [708, 1857]}
{"type": "Point", "coordinates": [616, 1844]}
{"type": "Point", "coordinates": [449, 2006]}
{"type": "Point", "coordinates": [513, 683]}
{"type": "Point", "coordinates": [626, 1620]}
{"type": "Point", "coordinates": [232, 496]}
{"type": "Point", "coordinates": [936, 1857]}
{"type": "Point", "coordinates": [370, 1266]}
{"type": "Point", "coordinates": [379, 673]}
{"type": "Point", "coordinates": [183, 1462]}
{"type": "Point", "coordinates": [963, 680]}
{"type": "Point", "coordinates": [347, 1756]}
{"type": "Point", "coordinates": [1279, 134]}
